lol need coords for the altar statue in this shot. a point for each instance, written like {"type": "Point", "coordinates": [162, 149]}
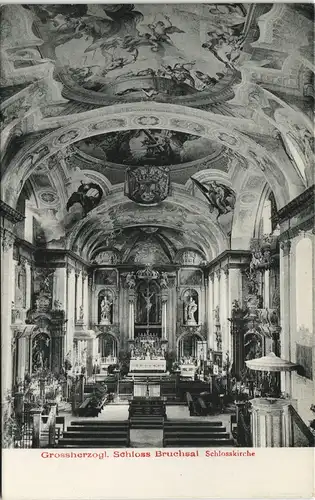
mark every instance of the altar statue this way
{"type": "Point", "coordinates": [105, 311]}
{"type": "Point", "coordinates": [190, 309]}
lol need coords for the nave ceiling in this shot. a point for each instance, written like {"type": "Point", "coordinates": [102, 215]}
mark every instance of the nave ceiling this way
{"type": "Point", "coordinates": [124, 127]}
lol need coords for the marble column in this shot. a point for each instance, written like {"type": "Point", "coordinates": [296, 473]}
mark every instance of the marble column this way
{"type": "Point", "coordinates": [164, 318]}
{"type": "Point", "coordinates": [171, 315]}
{"type": "Point", "coordinates": [70, 309]}
{"type": "Point", "coordinates": [270, 423]}
{"type": "Point", "coordinates": [7, 297]}
{"type": "Point", "coordinates": [21, 367]}
{"type": "Point", "coordinates": [216, 299]}
{"type": "Point", "coordinates": [234, 293]}
{"type": "Point", "coordinates": [210, 309]}
{"type": "Point", "coordinates": [202, 303]}
{"type": "Point", "coordinates": [85, 298]}
{"type": "Point", "coordinates": [216, 288]}
{"type": "Point", "coordinates": [285, 335]}
{"type": "Point", "coordinates": [224, 290]}
{"type": "Point", "coordinates": [78, 295]}
{"type": "Point", "coordinates": [131, 315]}
{"type": "Point", "coordinates": [267, 288]}
{"type": "Point", "coordinates": [60, 288]}
{"type": "Point", "coordinates": [28, 272]}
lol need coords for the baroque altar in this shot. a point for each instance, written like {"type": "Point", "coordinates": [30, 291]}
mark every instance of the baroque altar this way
{"type": "Point", "coordinates": [147, 354]}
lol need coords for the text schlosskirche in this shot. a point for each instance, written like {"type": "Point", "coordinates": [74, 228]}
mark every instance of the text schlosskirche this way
{"type": "Point", "coordinates": [174, 453]}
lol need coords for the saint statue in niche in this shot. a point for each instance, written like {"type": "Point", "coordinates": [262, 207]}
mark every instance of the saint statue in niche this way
{"type": "Point", "coordinates": [40, 352]}
{"type": "Point", "coordinates": [190, 309]}
{"type": "Point", "coordinates": [106, 306]}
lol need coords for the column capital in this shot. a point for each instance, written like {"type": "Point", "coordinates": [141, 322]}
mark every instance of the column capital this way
{"type": "Point", "coordinates": [70, 270]}
{"type": "Point", "coordinates": [24, 261]}
{"type": "Point", "coordinates": [217, 273]}
{"type": "Point", "coordinates": [211, 277]}
{"type": "Point", "coordinates": [285, 246]}
{"type": "Point", "coordinates": [7, 239]}
{"type": "Point", "coordinates": [226, 270]}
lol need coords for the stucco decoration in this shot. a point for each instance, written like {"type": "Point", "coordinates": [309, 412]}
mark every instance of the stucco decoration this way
{"type": "Point", "coordinates": [107, 257]}
{"type": "Point", "coordinates": [199, 123]}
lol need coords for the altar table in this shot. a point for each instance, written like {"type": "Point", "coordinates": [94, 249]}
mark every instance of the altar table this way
{"type": "Point", "coordinates": [187, 371]}
{"type": "Point", "coordinates": [147, 365]}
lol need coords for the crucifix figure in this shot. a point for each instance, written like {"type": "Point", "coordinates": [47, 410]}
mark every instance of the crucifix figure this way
{"type": "Point", "coordinates": [148, 303]}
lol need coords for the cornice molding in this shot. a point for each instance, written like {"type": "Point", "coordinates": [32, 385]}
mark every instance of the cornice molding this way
{"type": "Point", "coordinates": [304, 200]}
{"type": "Point", "coordinates": [49, 254]}
{"type": "Point", "coordinates": [10, 213]}
{"type": "Point", "coordinates": [242, 256]}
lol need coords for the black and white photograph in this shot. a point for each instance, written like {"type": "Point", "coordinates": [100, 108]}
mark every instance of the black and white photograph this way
{"type": "Point", "coordinates": [157, 227]}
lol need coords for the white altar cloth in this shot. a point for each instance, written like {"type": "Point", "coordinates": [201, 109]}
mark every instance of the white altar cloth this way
{"type": "Point", "coordinates": [187, 371]}
{"type": "Point", "coordinates": [142, 365]}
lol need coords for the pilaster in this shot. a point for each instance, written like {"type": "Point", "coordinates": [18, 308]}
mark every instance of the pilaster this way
{"type": "Point", "coordinates": [210, 309]}
{"type": "Point", "coordinates": [285, 286]}
{"type": "Point", "coordinates": [7, 297]}
{"type": "Point", "coordinates": [70, 309]}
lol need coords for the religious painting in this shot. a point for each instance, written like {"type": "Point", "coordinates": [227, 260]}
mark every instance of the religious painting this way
{"type": "Point", "coordinates": [304, 360]}
{"type": "Point", "coordinates": [106, 277]}
{"type": "Point", "coordinates": [148, 252]}
{"type": "Point", "coordinates": [190, 277]}
{"type": "Point", "coordinates": [217, 358]}
{"type": "Point", "coordinates": [148, 306]}
{"type": "Point", "coordinates": [105, 49]}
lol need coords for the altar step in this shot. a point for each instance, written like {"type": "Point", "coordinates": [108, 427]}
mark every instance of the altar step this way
{"type": "Point", "coordinates": [197, 433]}
{"type": "Point", "coordinates": [155, 375]}
{"type": "Point", "coordinates": [146, 422]}
{"type": "Point", "coordinates": [96, 434]}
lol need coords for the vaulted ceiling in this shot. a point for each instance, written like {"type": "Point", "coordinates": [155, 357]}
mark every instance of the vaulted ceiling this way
{"type": "Point", "coordinates": [166, 124]}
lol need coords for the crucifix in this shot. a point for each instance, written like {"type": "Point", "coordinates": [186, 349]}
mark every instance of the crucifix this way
{"type": "Point", "coordinates": [148, 304]}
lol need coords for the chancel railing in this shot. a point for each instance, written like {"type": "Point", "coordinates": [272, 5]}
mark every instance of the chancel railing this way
{"type": "Point", "coordinates": [243, 429]}
{"type": "Point", "coordinates": [301, 435]}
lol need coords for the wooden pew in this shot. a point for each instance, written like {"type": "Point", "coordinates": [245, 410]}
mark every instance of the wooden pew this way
{"type": "Point", "coordinates": [202, 407]}
{"type": "Point", "coordinates": [190, 404]}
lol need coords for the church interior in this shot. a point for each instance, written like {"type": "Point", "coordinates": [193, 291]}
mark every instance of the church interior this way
{"type": "Point", "coordinates": [157, 225]}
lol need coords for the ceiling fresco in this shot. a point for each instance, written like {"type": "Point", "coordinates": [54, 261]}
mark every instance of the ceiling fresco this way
{"type": "Point", "coordinates": [141, 51]}
{"type": "Point", "coordinates": [148, 147]}
{"type": "Point", "coordinates": [161, 124]}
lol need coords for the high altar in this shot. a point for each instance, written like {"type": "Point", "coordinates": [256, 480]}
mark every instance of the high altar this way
{"type": "Point", "coordinates": [151, 313]}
